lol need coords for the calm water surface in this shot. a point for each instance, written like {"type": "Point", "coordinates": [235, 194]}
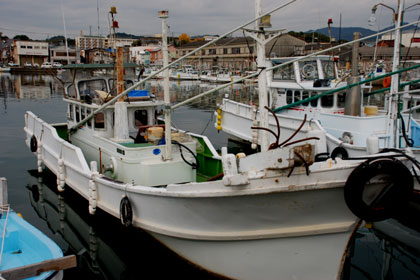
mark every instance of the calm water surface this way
{"type": "Point", "coordinates": [107, 250]}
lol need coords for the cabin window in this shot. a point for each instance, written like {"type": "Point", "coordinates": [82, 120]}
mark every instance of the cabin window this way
{"type": "Point", "coordinates": [297, 96]}
{"type": "Point", "coordinates": [284, 73]}
{"type": "Point", "coordinates": [289, 96]}
{"type": "Point", "coordinates": [99, 121]}
{"type": "Point", "coordinates": [70, 112]}
{"type": "Point", "coordinates": [328, 67]}
{"type": "Point", "coordinates": [71, 91]}
{"type": "Point", "coordinates": [140, 117]}
{"type": "Point", "coordinates": [314, 102]}
{"type": "Point", "coordinates": [341, 99]}
{"type": "Point", "coordinates": [305, 95]}
{"type": "Point", "coordinates": [87, 88]}
{"type": "Point", "coordinates": [308, 70]}
{"type": "Point", "coordinates": [77, 114]}
{"type": "Point", "coordinates": [89, 122]}
{"type": "Point", "coordinates": [327, 101]}
{"type": "Point", "coordinates": [113, 85]}
{"type": "Point", "coordinates": [83, 113]}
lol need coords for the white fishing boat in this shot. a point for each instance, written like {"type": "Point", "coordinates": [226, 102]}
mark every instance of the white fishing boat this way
{"type": "Point", "coordinates": [275, 212]}
{"type": "Point", "coordinates": [185, 73]}
{"type": "Point", "coordinates": [310, 86]}
{"type": "Point", "coordinates": [220, 76]}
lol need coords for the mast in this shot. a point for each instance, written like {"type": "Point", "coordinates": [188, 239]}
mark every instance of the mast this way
{"type": "Point", "coordinates": [97, 9]}
{"type": "Point", "coordinates": [65, 32]}
{"type": "Point", "coordinates": [395, 78]}
{"type": "Point", "coordinates": [168, 146]}
{"type": "Point", "coordinates": [262, 77]}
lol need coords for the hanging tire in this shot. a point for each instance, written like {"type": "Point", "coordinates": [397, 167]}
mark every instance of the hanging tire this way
{"type": "Point", "coordinates": [339, 152]}
{"type": "Point", "coordinates": [33, 144]}
{"type": "Point", "coordinates": [126, 212]}
{"type": "Point", "coordinates": [383, 199]}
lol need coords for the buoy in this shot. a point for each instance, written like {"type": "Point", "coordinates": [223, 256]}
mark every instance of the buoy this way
{"type": "Point", "coordinates": [219, 119]}
{"type": "Point", "coordinates": [386, 82]}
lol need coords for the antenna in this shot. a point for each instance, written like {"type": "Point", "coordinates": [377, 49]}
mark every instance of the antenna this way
{"type": "Point", "coordinates": [97, 9]}
{"type": "Point", "coordinates": [65, 32]}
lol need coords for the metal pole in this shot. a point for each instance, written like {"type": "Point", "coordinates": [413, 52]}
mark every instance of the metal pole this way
{"type": "Point", "coordinates": [354, 97]}
{"type": "Point", "coordinates": [120, 73]}
{"type": "Point", "coordinates": [166, 97]}
{"type": "Point", "coordinates": [395, 78]}
{"type": "Point", "coordinates": [65, 32]}
{"type": "Point", "coordinates": [262, 79]}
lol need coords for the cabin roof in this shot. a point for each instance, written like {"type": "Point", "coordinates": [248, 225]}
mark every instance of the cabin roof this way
{"type": "Point", "coordinates": [97, 66]}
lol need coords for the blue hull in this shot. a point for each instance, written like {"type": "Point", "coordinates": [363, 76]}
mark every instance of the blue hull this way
{"type": "Point", "coordinates": [24, 244]}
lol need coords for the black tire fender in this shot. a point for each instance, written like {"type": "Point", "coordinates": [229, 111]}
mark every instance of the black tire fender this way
{"type": "Point", "coordinates": [339, 152]}
{"type": "Point", "coordinates": [126, 212]}
{"type": "Point", "coordinates": [33, 144]}
{"type": "Point", "coordinates": [387, 197]}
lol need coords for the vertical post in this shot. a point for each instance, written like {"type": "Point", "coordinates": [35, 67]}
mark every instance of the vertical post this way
{"type": "Point", "coordinates": [65, 32]}
{"type": "Point", "coordinates": [120, 72]}
{"type": "Point", "coordinates": [121, 118]}
{"type": "Point", "coordinates": [3, 191]}
{"type": "Point", "coordinates": [393, 104]}
{"type": "Point", "coordinates": [262, 79]}
{"type": "Point", "coordinates": [168, 139]}
{"type": "Point", "coordinates": [352, 106]}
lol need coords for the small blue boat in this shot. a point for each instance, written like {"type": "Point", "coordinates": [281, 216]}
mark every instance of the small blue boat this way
{"type": "Point", "coordinates": [22, 244]}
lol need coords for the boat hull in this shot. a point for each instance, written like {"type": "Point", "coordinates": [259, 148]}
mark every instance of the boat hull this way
{"type": "Point", "coordinates": [304, 257]}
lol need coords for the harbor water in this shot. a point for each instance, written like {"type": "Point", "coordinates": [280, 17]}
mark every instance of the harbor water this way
{"type": "Point", "coordinates": [107, 250]}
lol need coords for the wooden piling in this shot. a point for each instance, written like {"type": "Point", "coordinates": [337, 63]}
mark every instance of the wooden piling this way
{"type": "Point", "coordinates": [3, 191]}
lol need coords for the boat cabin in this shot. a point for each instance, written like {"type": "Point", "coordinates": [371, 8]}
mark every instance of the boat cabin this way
{"type": "Point", "coordinates": [126, 139]}
{"type": "Point", "coordinates": [303, 79]}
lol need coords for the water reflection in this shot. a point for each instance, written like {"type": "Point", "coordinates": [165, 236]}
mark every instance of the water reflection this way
{"type": "Point", "coordinates": [103, 247]}
{"type": "Point", "coordinates": [388, 250]}
{"type": "Point", "coordinates": [28, 86]}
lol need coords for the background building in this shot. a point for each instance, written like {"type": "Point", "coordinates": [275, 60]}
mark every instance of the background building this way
{"type": "Point", "coordinates": [238, 52]}
{"type": "Point", "coordinates": [30, 51]}
{"type": "Point", "coordinates": [409, 38]}
{"type": "Point", "coordinates": [59, 54]}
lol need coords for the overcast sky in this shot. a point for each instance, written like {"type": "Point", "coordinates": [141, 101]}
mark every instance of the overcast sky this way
{"type": "Point", "coordinates": [39, 19]}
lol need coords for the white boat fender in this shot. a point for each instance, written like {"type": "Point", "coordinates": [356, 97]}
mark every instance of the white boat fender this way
{"type": "Point", "coordinates": [60, 175]}
{"type": "Point", "coordinates": [93, 196]}
{"type": "Point", "coordinates": [39, 158]}
{"type": "Point", "coordinates": [339, 152]}
{"type": "Point", "coordinates": [372, 145]}
{"type": "Point", "coordinates": [33, 144]}
{"type": "Point", "coordinates": [378, 203]}
{"type": "Point", "coordinates": [126, 212]}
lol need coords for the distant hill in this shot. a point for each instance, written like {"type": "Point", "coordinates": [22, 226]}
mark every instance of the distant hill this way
{"type": "Point", "coordinates": [347, 32]}
{"type": "Point", "coordinates": [127, 36]}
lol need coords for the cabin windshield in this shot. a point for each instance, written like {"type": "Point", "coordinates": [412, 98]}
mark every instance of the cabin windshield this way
{"type": "Point", "coordinates": [328, 68]}
{"type": "Point", "coordinates": [308, 70]}
{"type": "Point", "coordinates": [87, 89]}
{"type": "Point", "coordinates": [284, 73]}
{"type": "Point", "coordinates": [113, 85]}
